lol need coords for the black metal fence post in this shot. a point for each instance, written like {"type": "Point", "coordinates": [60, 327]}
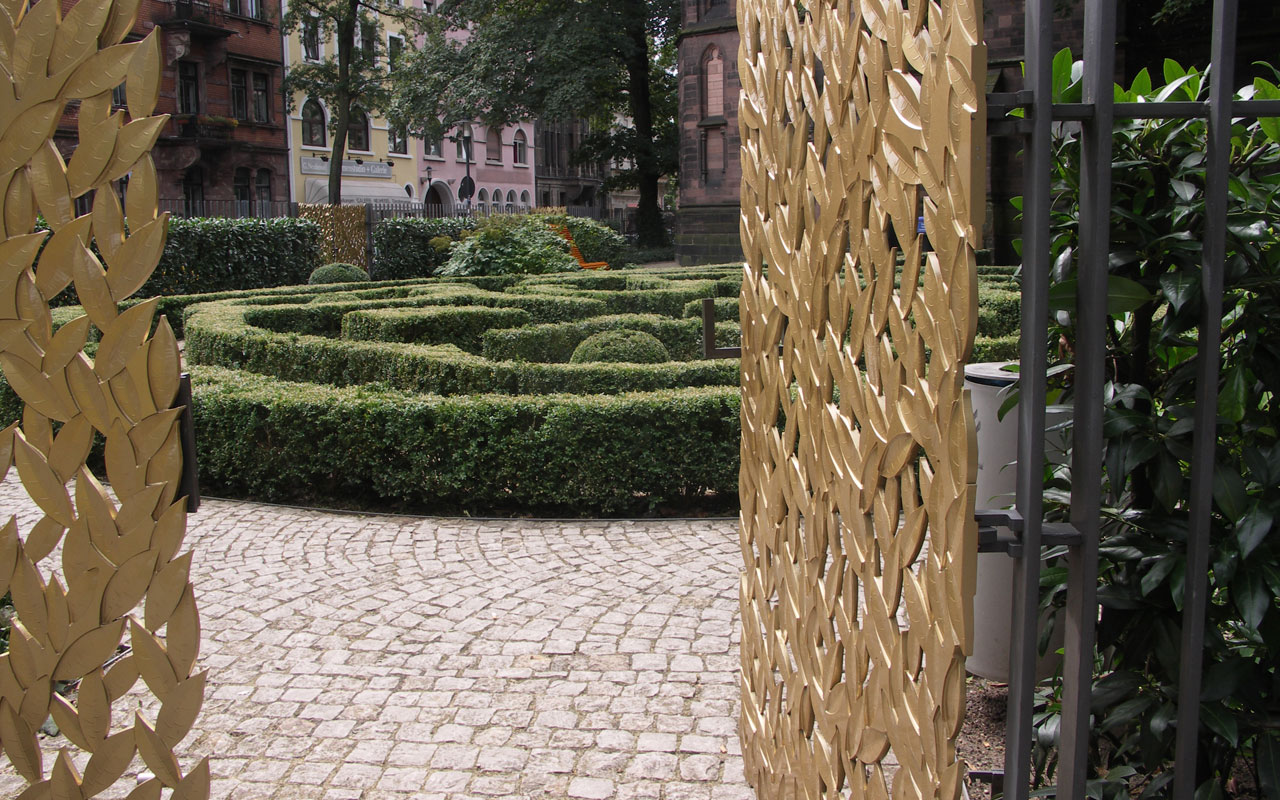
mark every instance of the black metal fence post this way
{"type": "Point", "coordinates": [1089, 380]}
{"type": "Point", "coordinates": [1031, 406]}
{"type": "Point", "coordinates": [1205, 438]}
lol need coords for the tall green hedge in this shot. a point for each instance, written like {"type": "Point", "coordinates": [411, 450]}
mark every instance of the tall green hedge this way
{"type": "Point", "coordinates": [215, 255]}
{"type": "Point", "coordinates": [402, 247]}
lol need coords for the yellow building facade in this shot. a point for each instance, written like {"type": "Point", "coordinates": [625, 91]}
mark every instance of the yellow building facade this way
{"type": "Point", "coordinates": [380, 166]}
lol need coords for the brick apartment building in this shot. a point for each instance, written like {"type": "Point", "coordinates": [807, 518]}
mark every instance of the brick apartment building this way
{"type": "Point", "coordinates": [223, 151]}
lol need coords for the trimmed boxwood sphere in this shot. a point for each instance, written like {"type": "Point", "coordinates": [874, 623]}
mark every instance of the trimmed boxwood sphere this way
{"type": "Point", "coordinates": [337, 273]}
{"type": "Point", "coordinates": [635, 347]}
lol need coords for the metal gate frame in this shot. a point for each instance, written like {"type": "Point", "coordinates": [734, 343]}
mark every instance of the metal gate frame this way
{"type": "Point", "coordinates": [1095, 114]}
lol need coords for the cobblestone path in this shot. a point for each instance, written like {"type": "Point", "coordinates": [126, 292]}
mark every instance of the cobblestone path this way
{"type": "Point", "coordinates": [373, 657]}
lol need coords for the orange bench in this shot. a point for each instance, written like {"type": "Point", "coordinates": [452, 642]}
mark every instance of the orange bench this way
{"type": "Point", "coordinates": [576, 253]}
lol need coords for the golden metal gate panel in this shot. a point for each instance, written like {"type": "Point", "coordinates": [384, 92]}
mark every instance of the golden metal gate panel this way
{"type": "Point", "coordinates": [118, 549]}
{"type": "Point", "coordinates": [858, 451]}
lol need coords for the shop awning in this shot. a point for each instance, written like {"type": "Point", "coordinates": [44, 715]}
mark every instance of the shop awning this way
{"type": "Point", "coordinates": [358, 191]}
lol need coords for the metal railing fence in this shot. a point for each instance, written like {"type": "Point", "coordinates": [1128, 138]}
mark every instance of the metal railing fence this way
{"type": "Point", "coordinates": [1096, 113]}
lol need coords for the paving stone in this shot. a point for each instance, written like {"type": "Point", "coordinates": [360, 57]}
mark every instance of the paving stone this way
{"type": "Point", "coordinates": [591, 788]}
{"type": "Point", "coordinates": [365, 657]}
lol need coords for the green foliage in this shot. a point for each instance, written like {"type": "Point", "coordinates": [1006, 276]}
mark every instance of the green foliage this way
{"type": "Point", "coordinates": [510, 244]}
{"type": "Point", "coordinates": [556, 342]}
{"type": "Point", "coordinates": [266, 438]}
{"type": "Point", "coordinates": [726, 309]}
{"type": "Point", "coordinates": [457, 325]}
{"type": "Point", "coordinates": [999, 310]}
{"type": "Point", "coordinates": [630, 346]}
{"type": "Point", "coordinates": [432, 426]}
{"type": "Point", "coordinates": [995, 348]}
{"type": "Point", "coordinates": [220, 334]}
{"type": "Point", "coordinates": [1154, 309]}
{"type": "Point", "coordinates": [596, 241]}
{"type": "Point", "coordinates": [559, 60]}
{"type": "Point", "coordinates": [337, 273]}
{"type": "Point", "coordinates": [211, 255]}
{"type": "Point", "coordinates": [408, 247]}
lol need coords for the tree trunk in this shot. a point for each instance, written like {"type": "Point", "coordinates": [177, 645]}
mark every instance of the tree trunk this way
{"type": "Point", "coordinates": [651, 232]}
{"type": "Point", "coordinates": [346, 48]}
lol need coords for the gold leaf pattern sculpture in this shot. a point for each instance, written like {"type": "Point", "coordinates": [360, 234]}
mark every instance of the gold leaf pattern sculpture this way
{"type": "Point", "coordinates": [858, 450]}
{"type": "Point", "coordinates": [343, 232]}
{"type": "Point", "coordinates": [118, 548]}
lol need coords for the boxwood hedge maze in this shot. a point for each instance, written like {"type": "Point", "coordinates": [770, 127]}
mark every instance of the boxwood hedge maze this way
{"type": "Point", "coordinates": [460, 395]}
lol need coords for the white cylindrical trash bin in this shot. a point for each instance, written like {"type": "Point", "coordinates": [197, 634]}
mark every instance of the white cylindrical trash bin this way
{"type": "Point", "coordinates": [997, 484]}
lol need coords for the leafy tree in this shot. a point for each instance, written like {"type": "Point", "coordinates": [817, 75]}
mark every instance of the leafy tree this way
{"type": "Point", "coordinates": [556, 60]}
{"type": "Point", "coordinates": [349, 78]}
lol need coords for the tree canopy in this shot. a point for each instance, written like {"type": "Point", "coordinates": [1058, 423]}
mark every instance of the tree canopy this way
{"type": "Point", "coordinates": [608, 61]}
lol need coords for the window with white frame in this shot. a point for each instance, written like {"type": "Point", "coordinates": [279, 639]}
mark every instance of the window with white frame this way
{"type": "Point", "coordinates": [311, 40]}
{"type": "Point", "coordinates": [519, 148]}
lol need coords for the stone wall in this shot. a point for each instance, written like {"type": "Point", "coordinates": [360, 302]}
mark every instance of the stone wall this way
{"type": "Point", "coordinates": [708, 234]}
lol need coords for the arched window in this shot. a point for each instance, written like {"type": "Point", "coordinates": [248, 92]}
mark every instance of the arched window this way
{"type": "Point", "coordinates": [493, 146]}
{"type": "Point", "coordinates": [313, 129]}
{"type": "Point", "coordinates": [511, 202]}
{"type": "Point", "coordinates": [240, 189]}
{"type": "Point", "coordinates": [481, 199]}
{"type": "Point", "coordinates": [524, 199]}
{"type": "Point", "coordinates": [262, 192]}
{"type": "Point", "coordinates": [712, 83]}
{"type": "Point", "coordinates": [519, 148]}
{"type": "Point", "coordinates": [358, 131]}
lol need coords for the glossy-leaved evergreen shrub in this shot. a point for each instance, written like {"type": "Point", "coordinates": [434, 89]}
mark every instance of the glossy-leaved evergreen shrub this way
{"type": "Point", "coordinates": [1154, 309]}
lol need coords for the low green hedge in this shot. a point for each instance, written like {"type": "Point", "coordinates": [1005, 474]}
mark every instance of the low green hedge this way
{"type": "Point", "coordinates": [428, 424]}
{"type": "Point", "coordinates": [337, 273]}
{"type": "Point", "coordinates": [218, 334]}
{"type": "Point", "coordinates": [999, 311]}
{"type": "Point", "coordinates": [298, 442]}
{"type": "Point", "coordinates": [726, 309]}
{"type": "Point", "coordinates": [458, 325]}
{"type": "Point", "coordinates": [556, 342]}
{"type": "Point", "coordinates": [995, 348]}
{"type": "Point", "coordinates": [644, 294]}
{"type": "Point", "coordinates": [998, 269]}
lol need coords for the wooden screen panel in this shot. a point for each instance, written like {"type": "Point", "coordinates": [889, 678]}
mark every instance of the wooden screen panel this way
{"type": "Point", "coordinates": [858, 450]}
{"type": "Point", "coordinates": [119, 550]}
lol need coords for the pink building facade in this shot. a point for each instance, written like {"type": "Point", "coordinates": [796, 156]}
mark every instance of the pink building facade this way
{"type": "Point", "coordinates": [500, 162]}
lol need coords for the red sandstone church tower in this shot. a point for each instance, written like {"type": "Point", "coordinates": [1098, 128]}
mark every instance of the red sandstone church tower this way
{"type": "Point", "coordinates": [707, 225]}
